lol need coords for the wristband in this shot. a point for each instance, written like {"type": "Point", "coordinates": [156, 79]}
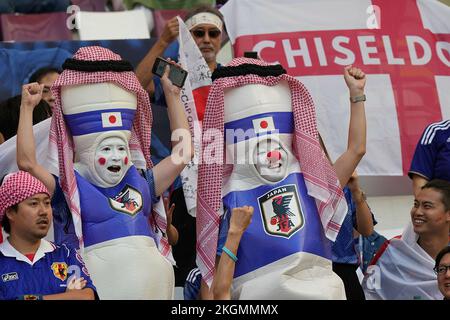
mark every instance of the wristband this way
{"type": "Point", "coordinates": [229, 253]}
{"type": "Point", "coordinates": [358, 98]}
{"type": "Point", "coordinates": [30, 297]}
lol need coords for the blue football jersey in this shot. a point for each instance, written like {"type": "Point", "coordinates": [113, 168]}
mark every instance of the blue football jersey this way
{"type": "Point", "coordinates": [432, 156]}
{"type": "Point", "coordinates": [52, 266]}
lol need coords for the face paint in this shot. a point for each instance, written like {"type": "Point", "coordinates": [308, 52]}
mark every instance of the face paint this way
{"type": "Point", "coordinates": [270, 160]}
{"type": "Point", "coordinates": [112, 163]}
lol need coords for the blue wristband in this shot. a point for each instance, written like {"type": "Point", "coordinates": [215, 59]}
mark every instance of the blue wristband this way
{"type": "Point", "coordinates": [229, 253]}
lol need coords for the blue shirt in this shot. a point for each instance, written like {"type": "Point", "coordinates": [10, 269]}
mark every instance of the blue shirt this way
{"type": "Point", "coordinates": [192, 285]}
{"type": "Point", "coordinates": [344, 249]}
{"type": "Point", "coordinates": [432, 156]}
{"type": "Point", "coordinates": [52, 266]}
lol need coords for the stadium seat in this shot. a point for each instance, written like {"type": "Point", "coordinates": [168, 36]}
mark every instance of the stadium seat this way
{"type": "Point", "coordinates": [90, 5]}
{"type": "Point", "coordinates": [35, 27]}
{"type": "Point", "coordinates": [161, 16]}
{"type": "Point", "coordinates": [112, 25]}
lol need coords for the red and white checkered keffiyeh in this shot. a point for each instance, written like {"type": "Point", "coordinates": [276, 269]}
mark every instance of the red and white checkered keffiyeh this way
{"type": "Point", "coordinates": [320, 177]}
{"type": "Point", "coordinates": [17, 187]}
{"type": "Point", "coordinates": [61, 141]}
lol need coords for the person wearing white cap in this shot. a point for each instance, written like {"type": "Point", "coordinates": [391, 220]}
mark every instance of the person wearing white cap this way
{"type": "Point", "coordinates": [206, 25]}
{"type": "Point", "coordinates": [100, 131]}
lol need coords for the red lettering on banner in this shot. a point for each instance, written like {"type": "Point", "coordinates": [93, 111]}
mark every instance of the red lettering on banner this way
{"type": "Point", "coordinates": [412, 57]}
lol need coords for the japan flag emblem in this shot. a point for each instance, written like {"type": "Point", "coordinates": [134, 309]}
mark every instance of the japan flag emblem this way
{"type": "Point", "coordinates": [111, 119]}
{"type": "Point", "coordinates": [264, 124]}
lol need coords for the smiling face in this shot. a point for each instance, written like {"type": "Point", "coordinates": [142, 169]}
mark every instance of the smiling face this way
{"type": "Point", "coordinates": [444, 277]}
{"type": "Point", "coordinates": [111, 160]}
{"type": "Point", "coordinates": [270, 160]}
{"type": "Point", "coordinates": [32, 218]}
{"type": "Point", "coordinates": [429, 215]}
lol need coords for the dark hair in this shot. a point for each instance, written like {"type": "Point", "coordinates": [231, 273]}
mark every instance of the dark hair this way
{"type": "Point", "coordinates": [40, 73]}
{"type": "Point", "coordinates": [443, 187]}
{"type": "Point", "coordinates": [205, 8]}
{"type": "Point", "coordinates": [5, 221]}
{"type": "Point", "coordinates": [10, 111]}
{"type": "Point", "coordinates": [441, 254]}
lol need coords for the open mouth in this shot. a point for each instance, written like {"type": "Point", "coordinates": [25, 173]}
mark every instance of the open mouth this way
{"type": "Point", "coordinates": [275, 166]}
{"type": "Point", "coordinates": [114, 169]}
{"type": "Point", "coordinates": [418, 221]}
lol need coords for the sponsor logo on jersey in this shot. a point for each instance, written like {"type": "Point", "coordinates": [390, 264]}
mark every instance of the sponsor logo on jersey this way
{"type": "Point", "coordinates": [281, 211]}
{"type": "Point", "coordinates": [60, 270]}
{"type": "Point", "coordinates": [129, 201]}
{"type": "Point", "coordinates": [10, 276]}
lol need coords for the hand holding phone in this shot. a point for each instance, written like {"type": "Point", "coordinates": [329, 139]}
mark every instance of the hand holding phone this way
{"type": "Point", "coordinates": [176, 74]}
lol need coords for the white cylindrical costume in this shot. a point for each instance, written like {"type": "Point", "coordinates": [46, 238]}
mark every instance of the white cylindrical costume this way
{"type": "Point", "coordinates": [99, 99]}
{"type": "Point", "coordinates": [284, 253]}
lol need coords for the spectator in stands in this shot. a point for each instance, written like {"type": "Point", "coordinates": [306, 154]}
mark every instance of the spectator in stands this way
{"type": "Point", "coordinates": [442, 268]}
{"type": "Point", "coordinates": [31, 267]}
{"type": "Point", "coordinates": [240, 219]}
{"type": "Point", "coordinates": [46, 76]}
{"type": "Point", "coordinates": [9, 116]}
{"type": "Point", "coordinates": [33, 6]}
{"type": "Point", "coordinates": [345, 257]}
{"type": "Point", "coordinates": [432, 156]}
{"type": "Point", "coordinates": [403, 267]}
{"type": "Point", "coordinates": [206, 26]}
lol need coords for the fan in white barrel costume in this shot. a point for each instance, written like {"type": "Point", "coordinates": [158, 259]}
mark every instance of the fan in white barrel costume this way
{"type": "Point", "coordinates": [101, 129]}
{"type": "Point", "coordinates": [275, 164]}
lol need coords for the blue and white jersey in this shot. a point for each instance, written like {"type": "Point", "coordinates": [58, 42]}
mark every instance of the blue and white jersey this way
{"type": "Point", "coordinates": [47, 274]}
{"type": "Point", "coordinates": [285, 221]}
{"type": "Point", "coordinates": [432, 156]}
{"type": "Point", "coordinates": [116, 212]}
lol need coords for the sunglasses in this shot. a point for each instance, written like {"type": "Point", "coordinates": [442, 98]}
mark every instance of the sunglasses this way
{"type": "Point", "coordinates": [214, 33]}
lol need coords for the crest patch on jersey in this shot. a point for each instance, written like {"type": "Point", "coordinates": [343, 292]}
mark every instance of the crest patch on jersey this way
{"type": "Point", "coordinates": [281, 211]}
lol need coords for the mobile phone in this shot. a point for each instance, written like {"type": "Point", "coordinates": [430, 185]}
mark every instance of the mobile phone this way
{"type": "Point", "coordinates": [176, 74]}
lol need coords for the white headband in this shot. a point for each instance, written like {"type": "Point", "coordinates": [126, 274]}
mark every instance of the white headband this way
{"type": "Point", "coordinates": [204, 17]}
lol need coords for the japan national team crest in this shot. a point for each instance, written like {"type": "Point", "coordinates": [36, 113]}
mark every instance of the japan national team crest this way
{"type": "Point", "coordinates": [128, 201]}
{"type": "Point", "coordinates": [281, 211]}
{"type": "Point", "coordinates": [60, 270]}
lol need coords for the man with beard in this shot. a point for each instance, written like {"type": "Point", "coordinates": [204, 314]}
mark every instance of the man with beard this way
{"type": "Point", "coordinates": [206, 26]}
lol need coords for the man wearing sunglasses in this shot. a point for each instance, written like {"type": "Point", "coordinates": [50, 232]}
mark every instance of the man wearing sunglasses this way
{"type": "Point", "coordinates": [206, 25]}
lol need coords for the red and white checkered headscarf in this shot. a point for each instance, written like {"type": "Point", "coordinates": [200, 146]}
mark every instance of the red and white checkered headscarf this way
{"type": "Point", "coordinates": [61, 140]}
{"type": "Point", "coordinates": [320, 178]}
{"type": "Point", "coordinates": [17, 187]}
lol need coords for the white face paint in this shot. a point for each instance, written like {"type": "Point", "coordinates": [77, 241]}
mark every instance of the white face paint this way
{"type": "Point", "coordinates": [111, 160]}
{"type": "Point", "coordinates": [270, 160]}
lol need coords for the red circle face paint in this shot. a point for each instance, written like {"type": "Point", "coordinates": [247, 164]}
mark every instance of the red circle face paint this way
{"type": "Point", "coordinates": [274, 155]}
{"type": "Point", "coordinates": [126, 161]}
{"type": "Point", "coordinates": [102, 161]}
{"type": "Point", "coordinates": [264, 124]}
